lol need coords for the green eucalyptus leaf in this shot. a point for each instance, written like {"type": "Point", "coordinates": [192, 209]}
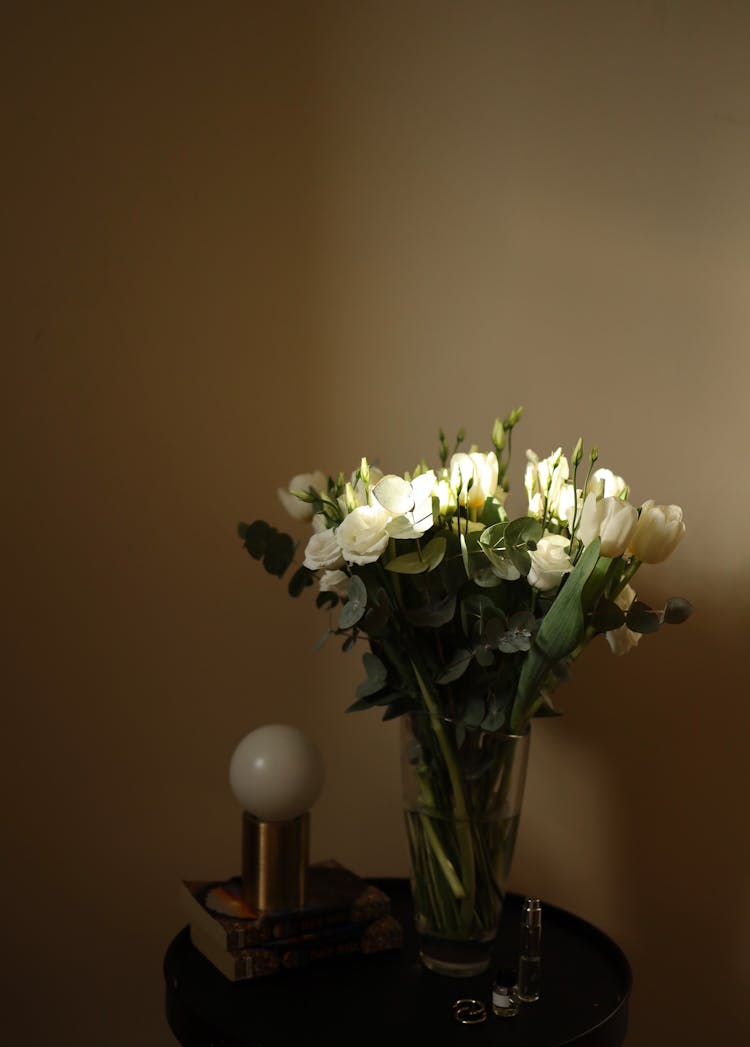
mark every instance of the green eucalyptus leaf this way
{"type": "Point", "coordinates": [476, 611]}
{"type": "Point", "coordinates": [456, 667]}
{"type": "Point", "coordinates": [493, 512]}
{"type": "Point", "coordinates": [398, 708]}
{"type": "Point", "coordinates": [369, 687]}
{"type": "Point", "coordinates": [279, 553]}
{"type": "Point", "coordinates": [355, 606]}
{"type": "Point", "coordinates": [484, 656]}
{"type": "Point", "coordinates": [432, 616]}
{"type": "Point", "coordinates": [607, 616]}
{"type": "Point", "coordinates": [486, 578]}
{"type": "Point", "coordinates": [494, 630]}
{"type": "Point", "coordinates": [321, 642]}
{"type": "Point", "coordinates": [426, 559]}
{"type": "Point", "coordinates": [641, 618]}
{"type": "Point", "coordinates": [474, 712]}
{"type": "Point", "coordinates": [256, 537]}
{"type": "Point", "coordinates": [677, 610]}
{"type": "Point", "coordinates": [492, 544]}
{"type": "Point", "coordinates": [376, 620]}
{"type": "Point", "coordinates": [359, 706]}
{"type": "Point", "coordinates": [520, 535]}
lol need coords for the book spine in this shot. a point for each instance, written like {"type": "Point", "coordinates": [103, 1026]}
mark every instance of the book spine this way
{"type": "Point", "coordinates": [291, 926]}
{"type": "Point", "coordinates": [251, 966]}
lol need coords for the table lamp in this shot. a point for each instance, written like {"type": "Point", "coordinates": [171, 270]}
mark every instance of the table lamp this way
{"type": "Point", "coordinates": [276, 774]}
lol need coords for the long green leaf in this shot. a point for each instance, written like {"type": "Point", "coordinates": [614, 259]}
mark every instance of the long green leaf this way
{"type": "Point", "coordinates": [559, 634]}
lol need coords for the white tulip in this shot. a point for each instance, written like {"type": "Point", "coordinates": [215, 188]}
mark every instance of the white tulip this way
{"type": "Point", "coordinates": [589, 522]}
{"type": "Point", "coordinates": [660, 530]}
{"type": "Point", "coordinates": [362, 536]}
{"type": "Point", "coordinates": [605, 484]}
{"type": "Point", "coordinates": [481, 469]}
{"type": "Point", "coordinates": [617, 523]}
{"type": "Point", "coordinates": [549, 562]}
{"type": "Point", "coordinates": [323, 550]}
{"type": "Point", "coordinates": [302, 482]}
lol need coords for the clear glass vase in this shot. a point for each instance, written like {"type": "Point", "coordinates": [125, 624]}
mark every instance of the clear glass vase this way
{"type": "Point", "coordinates": [462, 791]}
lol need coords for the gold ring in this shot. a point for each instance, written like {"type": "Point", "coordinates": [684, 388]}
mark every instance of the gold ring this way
{"type": "Point", "coordinates": [469, 1011]}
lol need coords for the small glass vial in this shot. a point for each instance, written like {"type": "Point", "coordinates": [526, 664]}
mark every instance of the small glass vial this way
{"type": "Point", "coordinates": [530, 959]}
{"type": "Point", "coordinates": [504, 998]}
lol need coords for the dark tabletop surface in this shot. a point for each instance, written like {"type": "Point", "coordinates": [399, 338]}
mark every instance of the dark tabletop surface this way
{"type": "Point", "coordinates": [354, 1001]}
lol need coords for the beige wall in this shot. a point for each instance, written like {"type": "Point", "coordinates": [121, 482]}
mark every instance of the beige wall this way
{"type": "Point", "coordinates": [245, 240]}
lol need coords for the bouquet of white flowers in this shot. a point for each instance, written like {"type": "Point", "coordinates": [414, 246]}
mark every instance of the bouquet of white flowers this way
{"type": "Point", "coordinates": [468, 612]}
{"type": "Point", "coordinates": [471, 617]}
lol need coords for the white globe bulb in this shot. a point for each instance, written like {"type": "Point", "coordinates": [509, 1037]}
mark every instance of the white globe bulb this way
{"type": "Point", "coordinates": [276, 773]}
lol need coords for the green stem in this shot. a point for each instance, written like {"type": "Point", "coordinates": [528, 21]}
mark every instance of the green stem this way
{"type": "Point", "coordinates": [463, 828]}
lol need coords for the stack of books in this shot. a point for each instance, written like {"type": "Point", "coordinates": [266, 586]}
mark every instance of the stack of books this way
{"type": "Point", "coordinates": [342, 914]}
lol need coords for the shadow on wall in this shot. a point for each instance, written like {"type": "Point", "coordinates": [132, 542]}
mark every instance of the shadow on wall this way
{"type": "Point", "coordinates": [665, 729]}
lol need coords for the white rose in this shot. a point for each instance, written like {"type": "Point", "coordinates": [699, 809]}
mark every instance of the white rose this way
{"type": "Point", "coordinates": [660, 530]}
{"type": "Point", "coordinates": [302, 482]}
{"type": "Point", "coordinates": [323, 551]}
{"type": "Point", "coordinates": [549, 562]}
{"type": "Point", "coordinates": [335, 582]}
{"type": "Point", "coordinates": [481, 469]}
{"type": "Point", "coordinates": [623, 639]}
{"type": "Point", "coordinates": [617, 523]}
{"type": "Point", "coordinates": [362, 535]}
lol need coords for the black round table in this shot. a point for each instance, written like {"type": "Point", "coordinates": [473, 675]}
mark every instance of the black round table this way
{"type": "Point", "coordinates": [389, 998]}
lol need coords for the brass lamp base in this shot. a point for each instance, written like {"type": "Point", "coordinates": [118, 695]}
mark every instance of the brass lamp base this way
{"type": "Point", "coordinates": [275, 857]}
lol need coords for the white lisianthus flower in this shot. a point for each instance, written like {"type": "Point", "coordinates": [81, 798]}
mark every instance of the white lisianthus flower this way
{"type": "Point", "coordinates": [323, 551]}
{"type": "Point", "coordinates": [481, 469]}
{"type": "Point", "coordinates": [319, 522]}
{"type": "Point", "coordinates": [545, 481]}
{"type": "Point", "coordinates": [362, 535]}
{"type": "Point", "coordinates": [660, 530]}
{"type": "Point", "coordinates": [605, 484]}
{"type": "Point", "coordinates": [335, 582]}
{"type": "Point", "coordinates": [617, 523]}
{"type": "Point", "coordinates": [416, 521]}
{"type": "Point", "coordinates": [363, 496]}
{"type": "Point", "coordinates": [623, 639]}
{"type": "Point", "coordinates": [302, 482]}
{"type": "Point", "coordinates": [549, 562]}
